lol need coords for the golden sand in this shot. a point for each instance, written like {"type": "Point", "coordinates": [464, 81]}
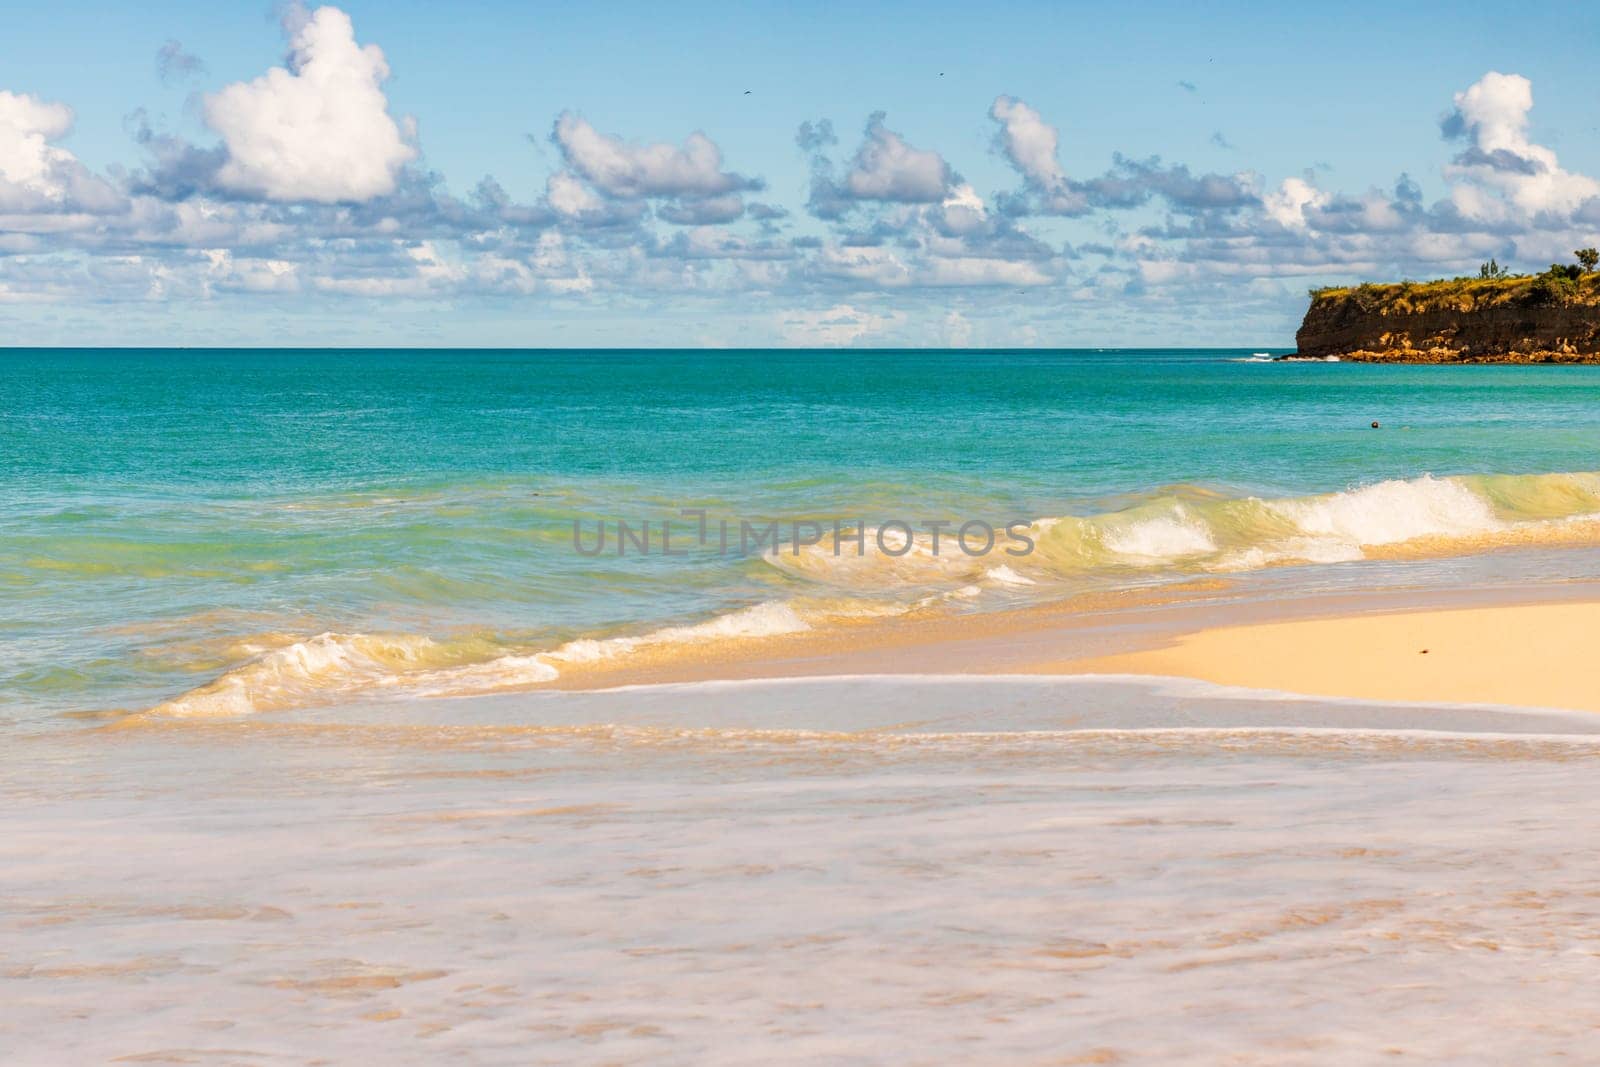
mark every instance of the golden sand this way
{"type": "Point", "coordinates": [1376, 647]}
{"type": "Point", "coordinates": [1538, 655]}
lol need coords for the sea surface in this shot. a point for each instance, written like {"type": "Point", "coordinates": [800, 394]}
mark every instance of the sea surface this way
{"type": "Point", "coordinates": [234, 827]}
{"type": "Point", "coordinates": [223, 532]}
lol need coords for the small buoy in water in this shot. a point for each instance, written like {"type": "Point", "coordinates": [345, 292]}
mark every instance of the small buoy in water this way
{"type": "Point", "coordinates": [1374, 425]}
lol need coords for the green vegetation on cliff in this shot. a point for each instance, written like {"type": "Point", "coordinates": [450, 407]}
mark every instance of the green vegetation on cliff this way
{"type": "Point", "coordinates": [1495, 317]}
{"type": "Point", "coordinates": [1556, 287]}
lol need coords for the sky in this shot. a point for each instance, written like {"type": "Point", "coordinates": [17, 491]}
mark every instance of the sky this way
{"type": "Point", "coordinates": [764, 174]}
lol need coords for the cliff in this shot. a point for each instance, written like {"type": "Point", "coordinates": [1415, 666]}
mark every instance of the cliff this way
{"type": "Point", "coordinates": [1537, 319]}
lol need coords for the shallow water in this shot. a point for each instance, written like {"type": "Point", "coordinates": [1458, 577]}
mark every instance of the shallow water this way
{"type": "Point", "coordinates": [245, 530]}
{"type": "Point", "coordinates": [296, 859]}
{"type": "Point", "coordinates": [1013, 870]}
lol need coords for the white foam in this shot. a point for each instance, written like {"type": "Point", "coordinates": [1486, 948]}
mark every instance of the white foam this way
{"type": "Point", "coordinates": [332, 665]}
{"type": "Point", "coordinates": [1166, 537]}
{"type": "Point", "coordinates": [1389, 512]}
{"type": "Point", "coordinates": [329, 663]}
{"type": "Point", "coordinates": [767, 619]}
{"type": "Point", "coordinates": [1290, 550]}
{"type": "Point", "coordinates": [1003, 575]}
{"type": "Point", "coordinates": [506, 672]}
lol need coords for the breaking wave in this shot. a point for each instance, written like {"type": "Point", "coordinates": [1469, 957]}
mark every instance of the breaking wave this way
{"type": "Point", "coordinates": [1188, 530]}
{"type": "Point", "coordinates": [1180, 531]}
{"type": "Point", "coordinates": [330, 666]}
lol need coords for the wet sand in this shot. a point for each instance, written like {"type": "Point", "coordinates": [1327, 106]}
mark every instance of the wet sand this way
{"type": "Point", "coordinates": [1517, 647]}
{"type": "Point", "coordinates": [1043, 870]}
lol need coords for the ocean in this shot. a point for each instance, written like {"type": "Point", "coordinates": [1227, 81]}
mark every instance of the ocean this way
{"type": "Point", "coordinates": [236, 826]}
{"type": "Point", "coordinates": [222, 532]}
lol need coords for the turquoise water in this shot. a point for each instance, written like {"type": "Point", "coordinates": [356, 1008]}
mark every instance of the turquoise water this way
{"type": "Point", "coordinates": [168, 517]}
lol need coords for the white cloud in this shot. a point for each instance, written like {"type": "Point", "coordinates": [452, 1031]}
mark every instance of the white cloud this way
{"type": "Point", "coordinates": [648, 170]}
{"type": "Point", "coordinates": [835, 327]}
{"type": "Point", "coordinates": [423, 271]}
{"type": "Point", "coordinates": [887, 168]}
{"type": "Point", "coordinates": [1032, 146]}
{"type": "Point", "coordinates": [1502, 174]}
{"type": "Point", "coordinates": [553, 262]}
{"type": "Point", "coordinates": [975, 270]}
{"type": "Point", "coordinates": [665, 220]}
{"type": "Point", "coordinates": [1287, 205]}
{"type": "Point", "coordinates": [27, 158]}
{"type": "Point", "coordinates": [1028, 141]}
{"type": "Point", "coordinates": [1166, 271]}
{"type": "Point", "coordinates": [249, 274]}
{"type": "Point", "coordinates": [569, 196]}
{"type": "Point", "coordinates": [874, 266]}
{"type": "Point", "coordinates": [963, 212]}
{"type": "Point", "coordinates": [44, 189]}
{"type": "Point", "coordinates": [548, 266]}
{"type": "Point", "coordinates": [319, 130]}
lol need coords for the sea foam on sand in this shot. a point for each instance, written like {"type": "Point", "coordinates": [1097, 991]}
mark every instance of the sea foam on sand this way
{"type": "Point", "coordinates": [1010, 870]}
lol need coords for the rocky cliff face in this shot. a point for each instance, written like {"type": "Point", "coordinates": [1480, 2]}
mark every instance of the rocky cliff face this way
{"type": "Point", "coordinates": [1500, 321]}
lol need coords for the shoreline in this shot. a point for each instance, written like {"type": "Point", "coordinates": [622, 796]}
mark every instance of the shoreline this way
{"type": "Point", "coordinates": [1513, 647]}
{"type": "Point", "coordinates": [1420, 358]}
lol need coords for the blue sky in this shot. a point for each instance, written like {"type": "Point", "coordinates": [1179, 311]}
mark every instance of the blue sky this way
{"type": "Point", "coordinates": [369, 226]}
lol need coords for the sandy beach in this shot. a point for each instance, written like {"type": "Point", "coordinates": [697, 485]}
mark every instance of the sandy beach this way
{"type": "Point", "coordinates": [1520, 655]}
{"type": "Point", "coordinates": [768, 534]}
{"type": "Point", "coordinates": [1514, 647]}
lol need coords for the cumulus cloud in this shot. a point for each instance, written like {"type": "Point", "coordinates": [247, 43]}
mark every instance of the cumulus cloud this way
{"type": "Point", "coordinates": [1028, 141]}
{"type": "Point", "coordinates": [567, 193]}
{"type": "Point", "coordinates": [278, 207]}
{"type": "Point", "coordinates": [1031, 145]}
{"type": "Point", "coordinates": [251, 274]}
{"type": "Point", "coordinates": [902, 218]}
{"type": "Point", "coordinates": [609, 188]}
{"type": "Point", "coordinates": [983, 271]}
{"type": "Point", "coordinates": [865, 266]}
{"type": "Point", "coordinates": [40, 178]}
{"type": "Point", "coordinates": [619, 169]}
{"type": "Point", "coordinates": [317, 130]}
{"type": "Point", "coordinates": [28, 159]}
{"type": "Point", "coordinates": [887, 168]}
{"type": "Point", "coordinates": [962, 213]}
{"type": "Point", "coordinates": [1501, 173]}
{"type": "Point", "coordinates": [1287, 204]}
{"type": "Point", "coordinates": [1133, 182]}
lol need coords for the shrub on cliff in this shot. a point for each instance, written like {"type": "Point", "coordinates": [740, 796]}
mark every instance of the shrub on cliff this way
{"type": "Point", "coordinates": [1588, 258]}
{"type": "Point", "coordinates": [1368, 297]}
{"type": "Point", "coordinates": [1558, 285]}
